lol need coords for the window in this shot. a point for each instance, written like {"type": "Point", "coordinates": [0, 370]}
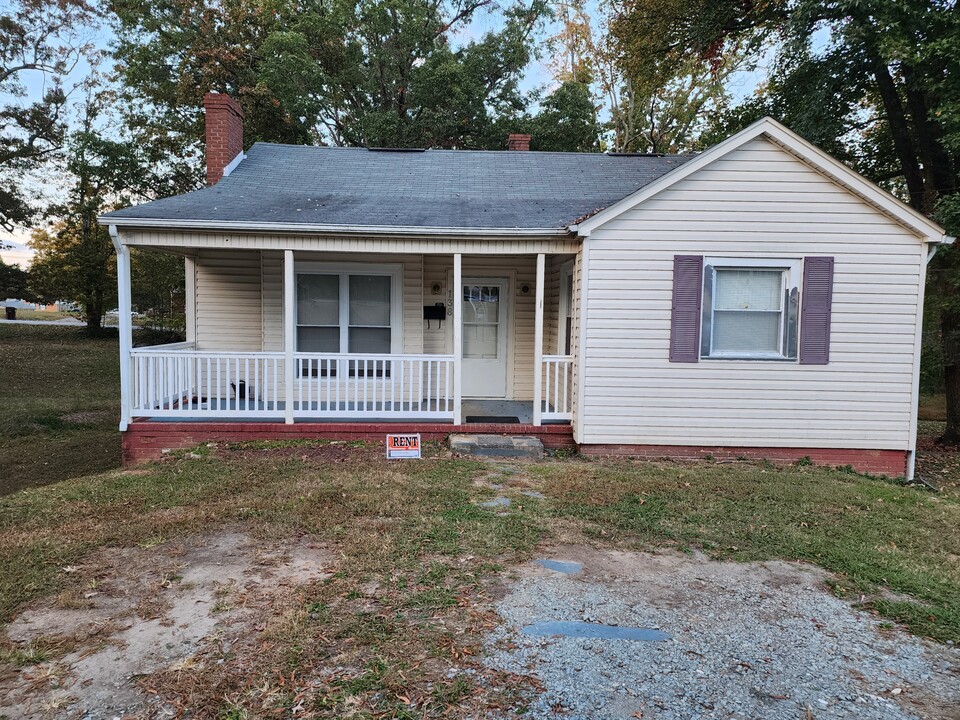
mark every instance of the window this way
{"type": "Point", "coordinates": [750, 309]}
{"type": "Point", "coordinates": [352, 311]}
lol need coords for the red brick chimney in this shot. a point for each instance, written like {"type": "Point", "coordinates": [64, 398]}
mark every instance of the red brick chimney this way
{"type": "Point", "coordinates": [518, 141]}
{"type": "Point", "coordinates": [224, 133]}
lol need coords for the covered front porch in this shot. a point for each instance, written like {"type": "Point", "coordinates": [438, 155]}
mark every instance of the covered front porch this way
{"type": "Point", "coordinates": [451, 324]}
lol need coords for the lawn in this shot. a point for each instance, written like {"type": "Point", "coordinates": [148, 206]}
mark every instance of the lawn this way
{"type": "Point", "coordinates": [414, 529]}
{"type": "Point", "coordinates": [60, 391]}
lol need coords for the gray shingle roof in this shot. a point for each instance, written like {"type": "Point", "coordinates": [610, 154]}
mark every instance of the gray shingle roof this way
{"type": "Point", "coordinates": [432, 189]}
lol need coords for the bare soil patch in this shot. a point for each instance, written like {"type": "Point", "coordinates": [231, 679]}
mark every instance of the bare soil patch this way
{"type": "Point", "coordinates": [135, 612]}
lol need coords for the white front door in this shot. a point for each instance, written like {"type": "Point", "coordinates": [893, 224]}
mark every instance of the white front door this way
{"type": "Point", "coordinates": [485, 303]}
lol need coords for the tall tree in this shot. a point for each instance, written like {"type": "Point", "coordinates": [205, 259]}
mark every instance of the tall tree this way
{"type": "Point", "coordinates": [347, 72]}
{"type": "Point", "coordinates": [39, 38]}
{"type": "Point", "coordinates": [875, 82]}
{"type": "Point", "coordinates": [75, 257]}
{"type": "Point", "coordinates": [657, 107]}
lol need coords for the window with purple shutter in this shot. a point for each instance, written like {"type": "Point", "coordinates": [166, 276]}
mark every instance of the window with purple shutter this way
{"type": "Point", "coordinates": [685, 312]}
{"type": "Point", "coordinates": [816, 306]}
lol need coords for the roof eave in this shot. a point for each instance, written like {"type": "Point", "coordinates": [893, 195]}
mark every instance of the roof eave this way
{"type": "Point", "coordinates": [323, 229]}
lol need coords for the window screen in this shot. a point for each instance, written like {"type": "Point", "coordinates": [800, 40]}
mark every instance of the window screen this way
{"type": "Point", "coordinates": [748, 312]}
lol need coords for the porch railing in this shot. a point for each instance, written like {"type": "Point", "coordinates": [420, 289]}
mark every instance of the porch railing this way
{"type": "Point", "coordinates": [557, 388]}
{"type": "Point", "coordinates": [374, 386]}
{"type": "Point", "coordinates": [179, 381]}
{"type": "Point", "coordinates": [172, 381]}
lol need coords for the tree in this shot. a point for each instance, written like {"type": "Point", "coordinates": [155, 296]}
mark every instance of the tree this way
{"type": "Point", "coordinates": [36, 37]}
{"type": "Point", "coordinates": [158, 287]}
{"type": "Point", "coordinates": [347, 72]}
{"type": "Point", "coordinates": [567, 121]}
{"type": "Point", "coordinates": [875, 82]}
{"type": "Point", "coordinates": [13, 282]}
{"type": "Point", "coordinates": [75, 256]}
{"type": "Point", "coordinates": [657, 107]}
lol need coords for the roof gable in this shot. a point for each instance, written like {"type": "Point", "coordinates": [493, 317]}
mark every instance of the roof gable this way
{"type": "Point", "coordinates": [792, 143]}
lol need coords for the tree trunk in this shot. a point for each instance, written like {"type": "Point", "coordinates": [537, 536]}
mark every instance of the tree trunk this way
{"type": "Point", "coordinates": [94, 320]}
{"type": "Point", "coordinates": [950, 328]}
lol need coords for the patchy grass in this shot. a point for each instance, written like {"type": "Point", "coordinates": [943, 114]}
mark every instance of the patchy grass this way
{"type": "Point", "coordinates": [932, 407]}
{"type": "Point", "coordinates": [60, 392]}
{"type": "Point", "coordinates": [24, 314]}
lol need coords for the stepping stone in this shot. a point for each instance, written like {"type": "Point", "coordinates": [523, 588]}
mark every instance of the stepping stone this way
{"type": "Point", "coordinates": [593, 630]}
{"type": "Point", "coordinates": [561, 566]}
{"type": "Point", "coordinates": [497, 446]}
{"type": "Point", "coordinates": [497, 502]}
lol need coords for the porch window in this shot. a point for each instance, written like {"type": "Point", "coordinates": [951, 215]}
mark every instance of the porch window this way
{"type": "Point", "coordinates": [749, 309]}
{"type": "Point", "coordinates": [351, 311]}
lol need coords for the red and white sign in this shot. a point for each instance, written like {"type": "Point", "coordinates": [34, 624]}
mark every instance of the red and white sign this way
{"type": "Point", "coordinates": [402, 446]}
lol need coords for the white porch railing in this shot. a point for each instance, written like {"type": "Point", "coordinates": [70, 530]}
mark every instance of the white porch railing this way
{"type": "Point", "coordinates": [366, 386]}
{"type": "Point", "coordinates": [557, 387]}
{"type": "Point", "coordinates": [178, 381]}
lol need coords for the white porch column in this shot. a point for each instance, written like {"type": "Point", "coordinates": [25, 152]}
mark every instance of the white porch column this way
{"type": "Point", "coordinates": [190, 299]}
{"type": "Point", "coordinates": [457, 310]}
{"type": "Point", "coordinates": [538, 343]}
{"type": "Point", "coordinates": [125, 321]}
{"type": "Point", "coordinates": [289, 333]}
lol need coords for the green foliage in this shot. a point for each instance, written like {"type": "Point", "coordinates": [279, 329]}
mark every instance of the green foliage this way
{"type": "Point", "coordinates": [45, 37]}
{"type": "Point", "coordinates": [373, 72]}
{"type": "Point", "coordinates": [13, 282]}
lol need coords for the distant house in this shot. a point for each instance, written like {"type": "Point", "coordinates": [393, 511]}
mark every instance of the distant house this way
{"type": "Point", "coordinates": [759, 299]}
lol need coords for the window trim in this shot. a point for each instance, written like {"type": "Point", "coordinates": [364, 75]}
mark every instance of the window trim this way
{"type": "Point", "coordinates": [392, 270]}
{"type": "Point", "coordinates": [791, 278]}
{"type": "Point", "coordinates": [566, 308]}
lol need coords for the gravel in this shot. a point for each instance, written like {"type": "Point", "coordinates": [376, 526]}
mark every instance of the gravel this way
{"type": "Point", "coordinates": [757, 640]}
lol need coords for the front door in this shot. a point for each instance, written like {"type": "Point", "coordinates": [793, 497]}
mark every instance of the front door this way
{"type": "Point", "coordinates": [485, 303]}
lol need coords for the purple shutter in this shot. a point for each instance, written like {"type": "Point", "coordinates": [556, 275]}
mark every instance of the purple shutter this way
{"type": "Point", "coordinates": [685, 313]}
{"type": "Point", "coordinates": [816, 305]}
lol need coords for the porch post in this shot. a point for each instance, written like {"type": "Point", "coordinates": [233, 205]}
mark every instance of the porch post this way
{"type": "Point", "coordinates": [538, 343]}
{"type": "Point", "coordinates": [124, 307]}
{"type": "Point", "coordinates": [457, 310]}
{"type": "Point", "coordinates": [289, 340]}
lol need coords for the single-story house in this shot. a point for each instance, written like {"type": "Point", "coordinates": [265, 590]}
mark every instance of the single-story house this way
{"type": "Point", "coordinates": [758, 299]}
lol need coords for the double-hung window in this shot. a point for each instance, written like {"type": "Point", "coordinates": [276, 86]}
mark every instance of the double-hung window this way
{"type": "Point", "coordinates": [352, 310]}
{"type": "Point", "coordinates": [750, 309]}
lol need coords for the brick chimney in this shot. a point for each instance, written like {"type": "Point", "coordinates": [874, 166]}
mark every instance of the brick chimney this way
{"type": "Point", "coordinates": [224, 133]}
{"type": "Point", "coordinates": [518, 141]}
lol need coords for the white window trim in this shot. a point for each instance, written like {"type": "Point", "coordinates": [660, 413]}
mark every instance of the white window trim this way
{"type": "Point", "coordinates": [393, 270]}
{"type": "Point", "coordinates": [792, 269]}
{"type": "Point", "coordinates": [566, 307]}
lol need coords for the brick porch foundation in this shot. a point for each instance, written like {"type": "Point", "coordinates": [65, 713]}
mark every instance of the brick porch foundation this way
{"type": "Point", "coordinates": [146, 440]}
{"type": "Point", "coordinates": [892, 463]}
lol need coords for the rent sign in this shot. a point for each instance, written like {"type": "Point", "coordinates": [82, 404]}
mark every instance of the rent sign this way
{"type": "Point", "coordinates": [403, 446]}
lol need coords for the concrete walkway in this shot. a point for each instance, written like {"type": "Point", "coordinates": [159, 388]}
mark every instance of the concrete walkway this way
{"type": "Point", "coordinates": [69, 322]}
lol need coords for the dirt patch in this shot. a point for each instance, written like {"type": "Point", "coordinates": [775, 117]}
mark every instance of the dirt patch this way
{"type": "Point", "coordinates": [89, 417]}
{"type": "Point", "coordinates": [135, 612]}
{"type": "Point", "coordinates": [746, 640]}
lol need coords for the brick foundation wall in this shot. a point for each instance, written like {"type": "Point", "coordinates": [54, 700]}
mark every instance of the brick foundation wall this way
{"type": "Point", "coordinates": [145, 440]}
{"type": "Point", "coordinates": [892, 463]}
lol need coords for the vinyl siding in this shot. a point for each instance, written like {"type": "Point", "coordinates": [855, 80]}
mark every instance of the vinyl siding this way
{"type": "Point", "coordinates": [758, 201]}
{"type": "Point", "coordinates": [422, 245]}
{"type": "Point", "coordinates": [228, 300]}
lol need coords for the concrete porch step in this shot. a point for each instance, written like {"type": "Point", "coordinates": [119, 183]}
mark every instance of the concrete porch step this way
{"type": "Point", "coordinates": [497, 446]}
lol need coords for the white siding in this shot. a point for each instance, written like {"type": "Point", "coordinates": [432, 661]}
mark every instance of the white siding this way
{"type": "Point", "coordinates": [758, 201]}
{"type": "Point", "coordinates": [228, 304]}
{"type": "Point", "coordinates": [422, 245]}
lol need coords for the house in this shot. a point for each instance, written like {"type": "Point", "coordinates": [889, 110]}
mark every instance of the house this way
{"type": "Point", "coordinates": [759, 299]}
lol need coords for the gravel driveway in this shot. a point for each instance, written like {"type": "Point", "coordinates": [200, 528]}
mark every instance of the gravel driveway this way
{"type": "Point", "coordinates": [754, 640]}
